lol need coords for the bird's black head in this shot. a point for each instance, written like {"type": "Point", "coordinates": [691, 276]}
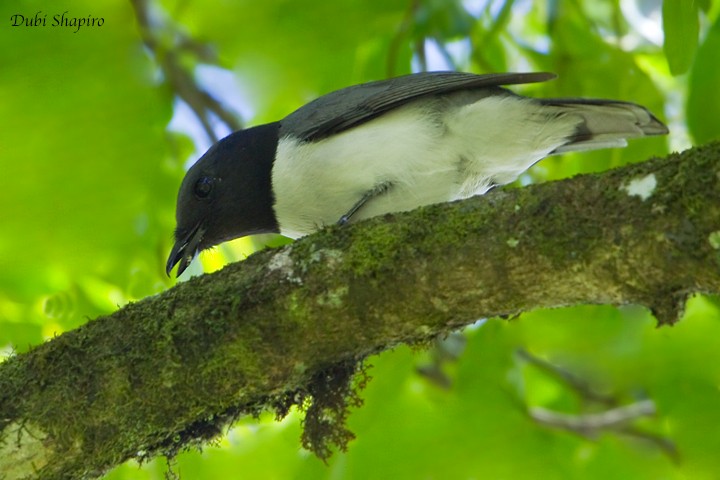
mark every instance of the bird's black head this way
{"type": "Point", "coordinates": [227, 194]}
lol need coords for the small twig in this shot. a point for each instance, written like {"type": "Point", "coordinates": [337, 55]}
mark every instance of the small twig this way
{"type": "Point", "coordinates": [402, 30]}
{"type": "Point", "coordinates": [446, 348]}
{"type": "Point", "coordinates": [446, 55]}
{"type": "Point", "coordinates": [497, 27]}
{"type": "Point", "coordinates": [419, 47]}
{"type": "Point", "coordinates": [573, 381]}
{"type": "Point", "coordinates": [178, 76]}
{"type": "Point", "coordinates": [617, 419]}
{"type": "Point", "coordinates": [665, 444]}
{"type": "Point", "coordinates": [591, 423]}
{"type": "Point", "coordinates": [186, 88]}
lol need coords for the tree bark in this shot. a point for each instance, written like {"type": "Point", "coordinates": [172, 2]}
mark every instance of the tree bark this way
{"type": "Point", "coordinates": [173, 369]}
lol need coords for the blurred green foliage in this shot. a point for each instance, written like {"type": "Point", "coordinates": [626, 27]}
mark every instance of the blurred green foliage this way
{"type": "Point", "coordinates": [91, 173]}
{"type": "Point", "coordinates": [681, 26]}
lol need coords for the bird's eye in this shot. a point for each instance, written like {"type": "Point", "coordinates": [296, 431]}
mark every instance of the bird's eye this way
{"type": "Point", "coordinates": [203, 187]}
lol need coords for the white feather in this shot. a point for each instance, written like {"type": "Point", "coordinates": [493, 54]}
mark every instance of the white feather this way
{"type": "Point", "coordinates": [426, 154]}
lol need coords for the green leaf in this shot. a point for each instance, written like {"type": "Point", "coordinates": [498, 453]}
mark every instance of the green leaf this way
{"type": "Point", "coordinates": [442, 19]}
{"type": "Point", "coordinates": [681, 25]}
{"type": "Point", "coordinates": [704, 5]}
{"type": "Point", "coordinates": [703, 105]}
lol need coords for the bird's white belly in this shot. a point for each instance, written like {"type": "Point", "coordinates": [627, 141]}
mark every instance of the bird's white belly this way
{"type": "Point", "coordinates": [423, 156]}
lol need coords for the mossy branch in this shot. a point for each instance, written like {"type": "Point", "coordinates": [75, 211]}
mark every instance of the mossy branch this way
{"type": "Point", "coordinates": [172, 370]}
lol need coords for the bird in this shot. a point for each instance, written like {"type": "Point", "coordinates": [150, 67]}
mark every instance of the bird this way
{"type": "Point", "coordinates": [386, 146]}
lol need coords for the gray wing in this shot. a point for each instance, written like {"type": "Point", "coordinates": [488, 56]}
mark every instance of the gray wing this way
{"type": "Point", "coordinates": [351, 106]}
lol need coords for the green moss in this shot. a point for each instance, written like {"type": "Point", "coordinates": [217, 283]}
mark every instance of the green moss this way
{"type": "Point", "coordinates": [334, 298]}
{"type": "Point", "coordinates": [714, 239]}
{"type": "Point", "coordinates": [333, 392]}
{"type": "Point", "coordinates": [372, 250]}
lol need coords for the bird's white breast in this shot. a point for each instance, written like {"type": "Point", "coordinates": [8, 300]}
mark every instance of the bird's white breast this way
{"type": "Point", "coordinates": [426, 153]}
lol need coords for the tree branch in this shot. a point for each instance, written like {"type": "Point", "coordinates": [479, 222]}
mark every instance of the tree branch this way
{"type": "Point", "coordinates": [619, 419]}
{"type": "Point", "coordinates": [169, 44]}
{"type": "Point", "coordinates": [591, 424]}
{"type": "Point", "coordinates": [174, 369]}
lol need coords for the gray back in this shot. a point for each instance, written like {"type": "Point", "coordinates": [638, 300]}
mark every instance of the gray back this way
{"type": "Point", "coordinates": [351, 106]}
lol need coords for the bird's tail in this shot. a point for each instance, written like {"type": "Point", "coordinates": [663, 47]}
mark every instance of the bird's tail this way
{"type": "Point", "coordinates": [605, 123]}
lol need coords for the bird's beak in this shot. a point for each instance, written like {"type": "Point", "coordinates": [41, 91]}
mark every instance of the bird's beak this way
{"type": "Point", "coordinates": [185, 250]}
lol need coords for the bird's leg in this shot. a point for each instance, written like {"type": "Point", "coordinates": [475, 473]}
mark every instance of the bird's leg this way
{"type": "Point", "coordinates": [377, 190]}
